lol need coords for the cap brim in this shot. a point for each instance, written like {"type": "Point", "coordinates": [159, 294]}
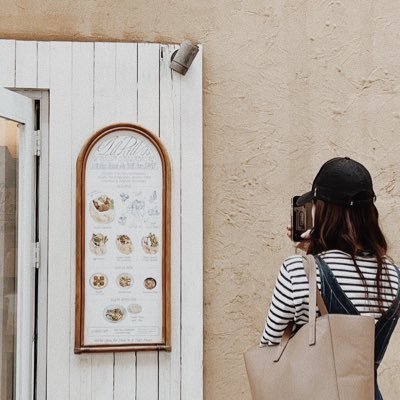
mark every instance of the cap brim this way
{"type": "Point", "coordinates": [305, 198]}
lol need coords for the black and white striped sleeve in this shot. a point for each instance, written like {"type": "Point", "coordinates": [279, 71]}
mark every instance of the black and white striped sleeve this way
{"type": "Point", "coordinates": [281, 311]}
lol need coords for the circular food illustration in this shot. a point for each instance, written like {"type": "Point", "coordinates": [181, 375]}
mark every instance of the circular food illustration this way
{"type": "Point", "coordinates": [97, 244]}
{"type": "Point", "coordinates": [101, 209]}
{"type": "Point", "coordinates": [125, 280]}
{"type": "Point", "coordinates": [150, 243]}
{"type": "Point", "coordinates": [134, 308]}
{"type": "Point", "coordinates": [98, 281]}
{"type": "Point", "coordinates": [150, 283]}
{"type": "Point", "coordinates": [124, 244]}
{"type": "Point", "coordinates": [114, 313]}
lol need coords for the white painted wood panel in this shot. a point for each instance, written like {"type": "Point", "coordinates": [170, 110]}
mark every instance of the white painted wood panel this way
{"type": "Point", "coordinates": [126, 103]}
{"type": "Point", "coordinates": [126, 58]}
{"type": "Point", "coordinates": [26, 64]}
{"type": "Point", "coordinates": [169, 363]}
{"type": "Point", "coordinates": [60, 224]}
{"type": "Point", "coordinates": [43, 73]}
{"type": "Point", "coordinates": [192, 232]}
{"type": "Point", "coordinates": [7, 63]}
{"type": "Point", "coordinates": [148, 116]}
{"type": "Point", "coordinates": [80, 367]}
{"type": "Point", "coordinates": [92, 85]}
{"type": "Point", "coordinates": [104, 114]}
{"type": "Point", "coordinates": [148, 86]}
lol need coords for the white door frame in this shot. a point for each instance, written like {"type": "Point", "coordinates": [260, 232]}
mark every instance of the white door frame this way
{"type": "Point", "coordinates": [42, 188]}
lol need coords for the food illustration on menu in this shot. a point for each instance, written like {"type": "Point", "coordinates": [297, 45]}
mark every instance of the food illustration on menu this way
{"type": "Point", "coordinates": [150, 243]}
{"type": "Point", "coordinates": [102, 209]}
{"type": "Point", "coordinates": [114, 313]}
{"type": "Point", "coordinates": [98, 281]}
{"type": "Point", "coordinates": [125, 280]}
{"type": "Point", "coordinates": [124, 244]}
{"type": "Point", "coordinates": [123, 230]}
{"type": "Point", "coordinates": [150, 283]}
{"type": "Point", "coordinates": [135, 308]}
{"type": "Point", "coordinates": [98, 244]}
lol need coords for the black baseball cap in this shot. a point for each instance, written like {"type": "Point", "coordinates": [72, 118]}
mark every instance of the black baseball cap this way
{"type": "Point", "coordinates": [342, 181]}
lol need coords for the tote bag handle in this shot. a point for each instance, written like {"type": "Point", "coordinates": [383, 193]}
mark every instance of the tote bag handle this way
{"type": "Point", "coordinates": [315, 299]}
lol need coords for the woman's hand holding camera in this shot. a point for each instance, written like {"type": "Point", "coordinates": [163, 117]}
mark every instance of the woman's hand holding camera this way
{"type": "Point", "coordinates": [303, 245]}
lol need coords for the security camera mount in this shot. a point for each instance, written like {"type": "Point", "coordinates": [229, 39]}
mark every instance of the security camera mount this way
{"type": "Point", "coordinates": [182, 59]}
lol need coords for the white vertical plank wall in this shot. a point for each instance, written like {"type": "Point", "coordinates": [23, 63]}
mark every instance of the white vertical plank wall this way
{"type": "Point", "coordinates": [43, 65]}
{"type": "Point", "coordinates": [82, 122]}
{"type": "Point", "coordinates": [170, 134]}
{"type": "Point", "coordinates": [104, 114]}
{"type": "Point", "coordinates": [92, 85]}
{"type": "Point", "coordinates": [126, 102]}
{"type": "Point", "coordinates": [26, 64]}
{"type": "Point", "coordinates": [60, 224]}
{"type": "Point", "coordinates": [192, 233]}
{"type": "Point", "coordinates": [148, 116]}
{"type": "Point", "coordinates": [7, 63]}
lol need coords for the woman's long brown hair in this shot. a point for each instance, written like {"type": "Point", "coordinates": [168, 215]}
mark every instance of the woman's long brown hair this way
{"type": "Point", "coordinates": [352, 229]}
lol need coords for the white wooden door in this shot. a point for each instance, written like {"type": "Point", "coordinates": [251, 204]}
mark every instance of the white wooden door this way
{"type": "Point", "coordinates": [17, 209]}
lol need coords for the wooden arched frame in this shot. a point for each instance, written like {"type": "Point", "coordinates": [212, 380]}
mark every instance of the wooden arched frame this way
{"type": "Point", "coordinates": [81, 208]}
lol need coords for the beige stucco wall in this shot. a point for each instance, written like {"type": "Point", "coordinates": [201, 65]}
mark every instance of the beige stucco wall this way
{"type": "Point", "coordinates": [287, 85]}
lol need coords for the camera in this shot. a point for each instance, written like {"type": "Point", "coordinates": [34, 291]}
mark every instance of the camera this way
{"type": "Point", "coordinates": [301, 219]}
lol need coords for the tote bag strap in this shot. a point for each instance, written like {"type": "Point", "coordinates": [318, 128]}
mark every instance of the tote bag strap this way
{"type": "Point", "coordinates": [315, 299]}
{"type": "Point", "coordinates": [310, 265]}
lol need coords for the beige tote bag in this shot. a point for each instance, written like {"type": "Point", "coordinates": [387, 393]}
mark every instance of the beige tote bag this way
{"type": "Point", "coordinates": [329, 358]}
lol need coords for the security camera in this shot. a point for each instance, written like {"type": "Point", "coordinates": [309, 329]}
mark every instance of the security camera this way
{"type": "Point", "coordinates": [182, 59]}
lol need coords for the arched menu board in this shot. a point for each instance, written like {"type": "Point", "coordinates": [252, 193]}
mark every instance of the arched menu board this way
{"type": "Point", "coordinates": [123, 242]}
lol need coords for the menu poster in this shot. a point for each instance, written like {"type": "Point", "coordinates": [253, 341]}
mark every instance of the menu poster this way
{"type": "Point", "coordinates": [123, 240]}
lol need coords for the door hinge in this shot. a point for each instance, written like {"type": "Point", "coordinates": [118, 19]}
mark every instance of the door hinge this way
{"type": "Point", "coordinates": [36, 254]}
{"type": "Point", "coordinates": [38, 143]}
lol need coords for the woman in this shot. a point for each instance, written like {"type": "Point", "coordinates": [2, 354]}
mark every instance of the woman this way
{"type": "Point", "coordinates": [354, 274]}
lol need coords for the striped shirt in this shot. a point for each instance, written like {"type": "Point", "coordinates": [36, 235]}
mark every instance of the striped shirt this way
{"type": "Point", "coordinates": [290, 296]}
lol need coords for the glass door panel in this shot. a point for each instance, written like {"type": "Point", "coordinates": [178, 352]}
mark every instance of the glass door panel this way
{"type": "Point", "coordinates": [17, 237]}
{"type": "Point", "coordinates": [9, 156]}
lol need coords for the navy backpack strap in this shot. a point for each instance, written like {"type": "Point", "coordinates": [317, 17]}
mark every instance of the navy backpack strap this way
{"type": "Point", "coordinates": [334, 297]}
{"type": "Point", "coordinates": [386, 325]}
